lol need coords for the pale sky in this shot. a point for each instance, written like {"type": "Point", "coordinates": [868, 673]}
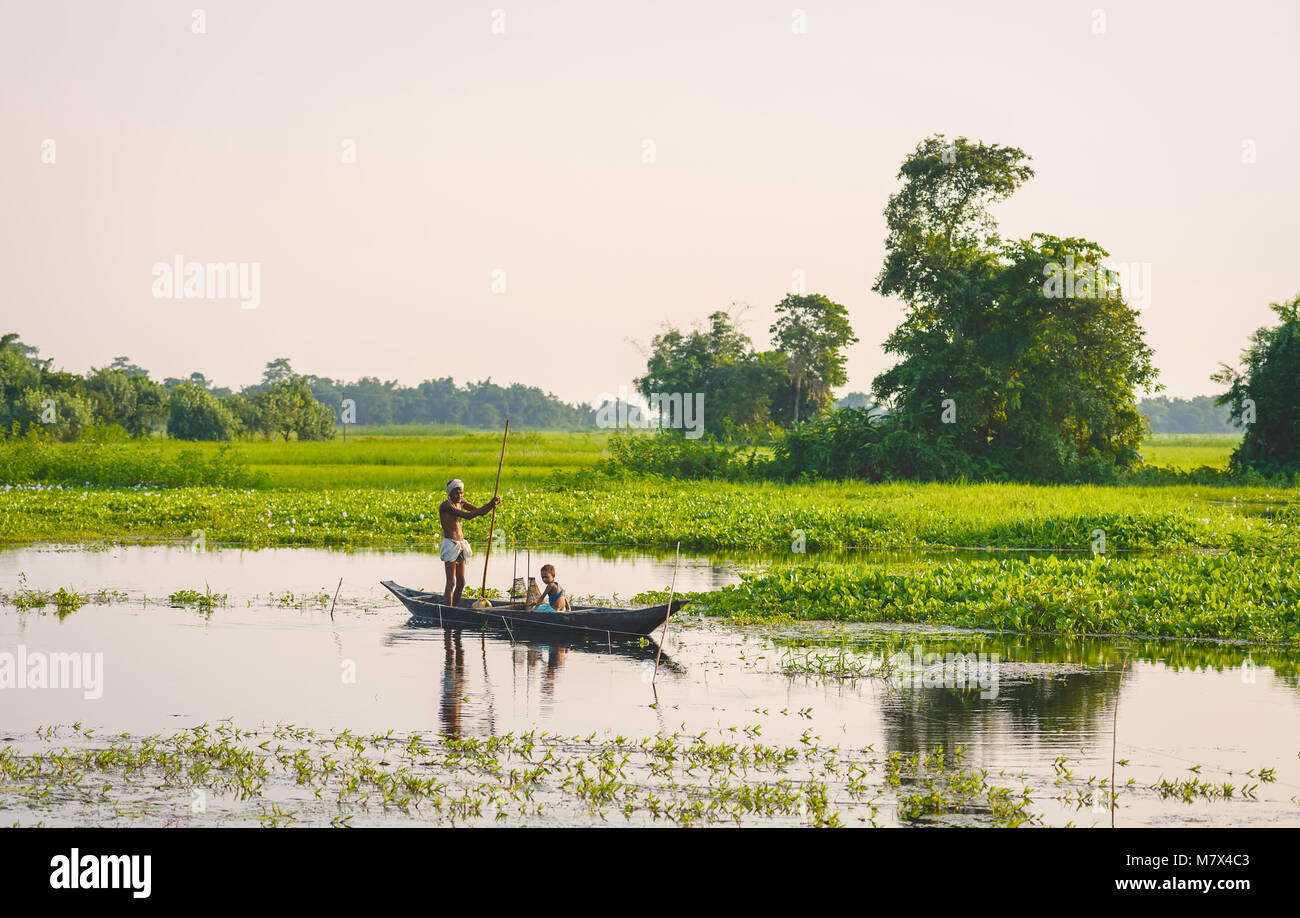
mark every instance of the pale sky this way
{"type": "Point", "coordinates": [522, 152]}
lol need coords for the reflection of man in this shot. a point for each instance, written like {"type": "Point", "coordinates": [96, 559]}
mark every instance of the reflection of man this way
{"type": "Point", "coordinates": [453, 682]}
{"type": "Point", "coordinates": [455, 550]}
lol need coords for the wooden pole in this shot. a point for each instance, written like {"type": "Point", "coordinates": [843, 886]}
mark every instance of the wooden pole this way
{"type": "Point", "coordinates": [482, 599]}
{"type": "Point", "coordinates": [664, 634]}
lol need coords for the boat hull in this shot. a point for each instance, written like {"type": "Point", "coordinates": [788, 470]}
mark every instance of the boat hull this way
{"type": "Point", "coordinates": [428, 607]}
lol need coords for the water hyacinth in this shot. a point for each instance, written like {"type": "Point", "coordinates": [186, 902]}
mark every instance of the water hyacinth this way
{"type": "Point", "coordinates": [1244, 597]}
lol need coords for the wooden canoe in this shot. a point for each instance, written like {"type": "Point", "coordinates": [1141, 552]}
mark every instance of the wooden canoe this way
{"type": "Point", "coordinates": [582, 620]}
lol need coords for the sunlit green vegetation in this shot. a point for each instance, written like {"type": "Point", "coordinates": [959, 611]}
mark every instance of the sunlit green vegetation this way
{"type": "Point", "coordinates": [702, 515]}
{"type": "Point", "coordinates": [1185, 452]}
{"type": "Point", "coordinates": [290, 775]}
{"type": "Point", "coordinates": [1245, 597]}
{"type": "Point", "coordinates": [398, 457]}
{"type": "Point", "coordinates": [64, 600]}
{"type": "Point", "coordinates": [205, 601]}
{"type": "Point", "coordinates": [846, 445]}
{"type": "Point", "coordinates": [158, 463]}
{"type": "Point", "coordinates": [293, 775]}
{"type": "Point", "coordinates": [360, 462]}
{"type": "Point", "coordinates": [392, 461]}
{"type": "Point", "coordinates": [843, 650]}
{"type": "Point", "coordinates": [385, 490]}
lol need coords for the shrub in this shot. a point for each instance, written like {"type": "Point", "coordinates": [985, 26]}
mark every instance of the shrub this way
{"type": "Point", "coordinates": [59, 415]}
{"type": "Point", "coordinates": [677, 457]}
{"type": "Point", "coordinates": [197, 414]}
{"type": "Point", "coordinates": [34, 460]}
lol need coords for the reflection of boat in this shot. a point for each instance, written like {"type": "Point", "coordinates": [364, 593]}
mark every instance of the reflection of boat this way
{"type": "Point", "coordinates": [638, 648]}
{"type": "Point", "coordinates": [588, 620]}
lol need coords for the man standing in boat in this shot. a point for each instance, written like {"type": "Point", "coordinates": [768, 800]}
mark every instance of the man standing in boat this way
{"type": "Point", "coordinates": [455, 549]}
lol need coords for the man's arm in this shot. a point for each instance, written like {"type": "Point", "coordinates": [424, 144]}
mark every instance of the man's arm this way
{"type": "Point", "coordinates": [472, 512]}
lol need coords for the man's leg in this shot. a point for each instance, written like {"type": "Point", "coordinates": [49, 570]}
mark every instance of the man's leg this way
{"type": "Point", "coordinates": [451, 583]}
{"type": "Point", "coordinates": [460, 582]}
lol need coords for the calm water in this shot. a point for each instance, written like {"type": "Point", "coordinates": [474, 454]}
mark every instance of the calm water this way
{"type": "Point", "coordinates": [265, 659]}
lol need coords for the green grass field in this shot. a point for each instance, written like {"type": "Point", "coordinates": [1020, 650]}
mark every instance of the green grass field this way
{"type": "Point", "coordinates": [390, 460]}
{"type": "Point", "coordinates": [1184, 452]}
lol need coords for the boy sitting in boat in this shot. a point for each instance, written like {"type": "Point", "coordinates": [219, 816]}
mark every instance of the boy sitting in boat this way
{"type": "Point", "coordinates": [553, 598]}
{"type": "Point", "coordinates": [455, 549]}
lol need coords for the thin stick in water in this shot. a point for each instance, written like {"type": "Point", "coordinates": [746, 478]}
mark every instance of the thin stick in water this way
{"type": "Point", "coordinates": [336, 598]}
{"type": "Point", "coordinates": [664, 634]}
{"type": "Point", "coordinates": [1114, 732]}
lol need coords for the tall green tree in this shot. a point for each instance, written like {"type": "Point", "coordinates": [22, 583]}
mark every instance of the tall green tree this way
{"type": "Point", "coordinates": [287, 408]}
{"type": "Point", "coordinates": [941, 260]}
{"type": "Point", "coordinates": [696, 360]}
{"type": "Point", "coordinates": [941, 231]}
{"type": "Point", "coordinates": [1265, 397]}
{"type": "Point", "coordinates": [1000, 370]}
{"type": "Point", "coordinates": [1073, 364]}
{"type": "Point", "coordinates": [718, 361]}
{"type": "Point", "coordinates": [812, 332]}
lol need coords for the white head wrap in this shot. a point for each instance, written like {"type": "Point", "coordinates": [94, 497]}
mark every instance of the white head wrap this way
{"type": "Point", "coordinates": [454, 484]}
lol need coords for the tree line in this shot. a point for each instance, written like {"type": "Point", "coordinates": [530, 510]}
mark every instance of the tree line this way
{"type": "Point", "coordinates": [121, 395]}
{"type": "Point", "coordinates": [482, 404]}
{"type": "Point", "coordinates": [1199, 415]}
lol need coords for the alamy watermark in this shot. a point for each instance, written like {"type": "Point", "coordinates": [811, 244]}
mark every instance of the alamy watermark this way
{"type": "Point", "coordinates": [213, 280]}
{"type": "Point", "coordinates": [1088, 281]}
{"type": "Point", "coordinates": [950, 670]}
{"type": "Point", "coordinates": [662, 410]}
{"type": "Point", "coordinates": [75, 870]}
{"type": "Point", "coordinates": [39, 670]}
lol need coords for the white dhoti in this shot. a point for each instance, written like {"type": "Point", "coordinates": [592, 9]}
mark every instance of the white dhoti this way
{"type": "Point", "coordinates": [455, 550]}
